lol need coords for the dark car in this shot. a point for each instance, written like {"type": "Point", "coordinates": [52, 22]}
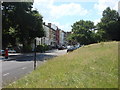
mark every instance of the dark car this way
{"type": "Point", "coordinates": [60, 47]}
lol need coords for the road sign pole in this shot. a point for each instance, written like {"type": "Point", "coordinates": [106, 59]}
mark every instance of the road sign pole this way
{"type": "Point", "coordinates": [35, 55]}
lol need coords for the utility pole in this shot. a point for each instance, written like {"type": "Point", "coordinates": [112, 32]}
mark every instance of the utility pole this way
{"type": "Point", "coordinates": [35, 55]}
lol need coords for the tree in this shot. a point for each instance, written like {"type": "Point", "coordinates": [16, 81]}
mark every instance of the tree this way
{"type": "Point", "coordinates": [109, 25]}
{"type": "Point", "coordinates": [71, 38]}
{"type": "Point", "coordinates": [9, 20]}
{"type": "Point", "coordinates": [83, 32]}
{"type": "Point", "coordinates": [21, 22]}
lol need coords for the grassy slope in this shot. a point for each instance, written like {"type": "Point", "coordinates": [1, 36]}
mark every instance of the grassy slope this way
{"type": "Point", "coordinates": [92, 66]}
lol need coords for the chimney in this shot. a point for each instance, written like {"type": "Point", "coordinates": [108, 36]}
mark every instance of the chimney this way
{"type": "Point", "coordinates": [49, 24]}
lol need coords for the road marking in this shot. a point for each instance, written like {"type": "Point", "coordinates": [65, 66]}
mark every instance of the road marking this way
{"type": "Point", "coordinates": [6, 74]}
{"type": "Point", "coordinates": [24, 67]}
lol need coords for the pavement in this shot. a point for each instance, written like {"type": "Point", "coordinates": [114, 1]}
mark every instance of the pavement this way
{"type": "Point", "coordinates": [15, 56]}
{"type": "Point", "coordinates": [2, 58]}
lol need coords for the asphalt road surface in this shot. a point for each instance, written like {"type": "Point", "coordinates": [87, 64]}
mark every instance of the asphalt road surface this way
{"type": "Point", "coordinates": [23, 64]}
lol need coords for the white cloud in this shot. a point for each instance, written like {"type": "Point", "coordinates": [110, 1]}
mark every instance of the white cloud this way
{"type": "Point", "coordinates": [65, 27]}
{"type": "Point", "coordinates": [67, 10]}
{"type": "Point", "coordinates": [68, 0]}
{"type": "Point", "coordinates": [51, 12]}
{"type": "Point", "coordinates": [101, 5]}
{"type": "Point", "coordinates": [96, 21]}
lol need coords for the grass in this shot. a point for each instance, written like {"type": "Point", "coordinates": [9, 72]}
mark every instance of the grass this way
{"type": "Point", "coordinates": [91, 66]}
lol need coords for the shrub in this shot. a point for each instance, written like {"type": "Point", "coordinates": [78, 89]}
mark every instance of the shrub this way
{"type": "Point", "coordinates": [27, 49]}
{"type": "Point", "coordinates": [40, 48]}
{"type": "Point", "coordinates": [43, 48]}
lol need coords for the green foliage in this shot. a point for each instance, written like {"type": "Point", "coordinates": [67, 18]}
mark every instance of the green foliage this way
{"type": "Point", "coordinates": [108, 29]}
{"type": "Point", "coordinates": [47, 47]}
{"type": "Point", "coordinates": [110, 25]}
{"type": "Point", "coordinates": [27, 49]}
{"type": "Point", "coordinates": [109, 15]}
{"type": "Point", "coordinates": [71, 39]}
{"type": "Point", "coordinates": [83, 32]}
{"type": "Point", "coordinates": [42, 48]}
{"type": "Point", "coordinates": [21, 22]}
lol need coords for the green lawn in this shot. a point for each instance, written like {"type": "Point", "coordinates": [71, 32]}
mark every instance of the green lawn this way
{"type": "Point", "coordinates": [92, 66]}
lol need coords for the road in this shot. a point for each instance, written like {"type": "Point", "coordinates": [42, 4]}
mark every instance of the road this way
{"type": "Point", "coordinates": [23, 64]}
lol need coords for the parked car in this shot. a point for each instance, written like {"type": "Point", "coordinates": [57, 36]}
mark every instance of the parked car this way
{"type": "Point", "coordinates": [70, 48]}
{"type": "Point", "coordinates": [2, 52]}
{"type": "Point", "coordinates": [60, 47]}
{"type": "Point", "coordinates": [10, 50]}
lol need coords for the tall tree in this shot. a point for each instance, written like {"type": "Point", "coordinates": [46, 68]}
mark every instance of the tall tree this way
{"type": "Point", "coordinates": [109, 25]}
{"type": "Point", "coordinates": [83, 31]}
{"type": "Point", "coordinates": [24, 23]}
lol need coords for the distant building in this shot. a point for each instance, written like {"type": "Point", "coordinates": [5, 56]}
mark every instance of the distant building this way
{"type": "Point", "coordinates": [119, 8]}
{"type": "Point", "coordinates": [46, 39]}
{"type": "Point", "coordinates": [58, 36]}
{"type": "Point", "coordinates": [53, 36]}
{"type": "Point", "coordinates": [65, 38]}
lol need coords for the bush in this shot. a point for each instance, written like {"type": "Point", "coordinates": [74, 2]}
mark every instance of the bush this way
{"type": "Point", "coordinates": [40, 48]}
{"type": "Point", "coordinates": [27, 49]}
{"type": "Point", "coordinates": [43, 48]}
{"type": "Point", "coordinates": [46, 47]}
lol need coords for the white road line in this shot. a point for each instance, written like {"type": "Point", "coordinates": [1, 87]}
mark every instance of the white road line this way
{"type": "Point", "coordinates": [6, 74]}
{"type": "Point", "coordinates": [24, 67]}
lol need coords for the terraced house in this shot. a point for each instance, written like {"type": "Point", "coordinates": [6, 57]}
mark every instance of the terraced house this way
{"type": "Point", "coordinates": [53, 36]}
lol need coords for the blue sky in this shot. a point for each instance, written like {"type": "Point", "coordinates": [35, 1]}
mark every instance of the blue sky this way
{"type": "Point", "coordinates": [64, 13]}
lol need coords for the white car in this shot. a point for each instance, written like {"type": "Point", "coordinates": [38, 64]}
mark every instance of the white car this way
{"type": "Point", "coordinates": [11, 51]}
{"type": "Point", "coordinates": [2, 52]}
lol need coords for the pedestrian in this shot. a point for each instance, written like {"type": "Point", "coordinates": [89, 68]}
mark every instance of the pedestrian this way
{"type": "Point", "coordinates": [6, 53]}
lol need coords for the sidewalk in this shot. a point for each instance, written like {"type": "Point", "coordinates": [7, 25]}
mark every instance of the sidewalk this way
{"type": "Point", "coordinates": [3, 58]}
{"type": "Point", "coordinates": [29, 54]}
{"type": "Point", "coordinates": [13, 56]}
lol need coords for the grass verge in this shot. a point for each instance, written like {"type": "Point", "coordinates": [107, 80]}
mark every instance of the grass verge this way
{"type": "Point", "coordinates": [91, 66]}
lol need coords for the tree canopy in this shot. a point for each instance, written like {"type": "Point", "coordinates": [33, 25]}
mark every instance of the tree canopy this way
{"type": "Point", "coordinates": [85, 32]}
{"type": "Point", "coordinates": [109, 24]}
{"type": "Point", "coordinates": [20, 23]}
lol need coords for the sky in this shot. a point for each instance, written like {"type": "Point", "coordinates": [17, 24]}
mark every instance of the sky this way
{"type": "Point", "coordinates": [64, 13]}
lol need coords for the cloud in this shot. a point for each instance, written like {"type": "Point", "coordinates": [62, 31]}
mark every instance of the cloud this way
{"type": "Point", "coordinates": [96, 21]}
{"type": "Point", "coordinates": [43, 6]}
{"type": "Point", "coordinates": [48, 9]}
{"type": "Point", "coordinates": [67, 10]}
{"type": "Point", "coordinates": [101, 5]}
{"type": "Point", "coordinates": [67, 0]}
{"type": "Point", "coordinates": [65, 27]}
{"type": "Point", "coordinates": [51, 12]}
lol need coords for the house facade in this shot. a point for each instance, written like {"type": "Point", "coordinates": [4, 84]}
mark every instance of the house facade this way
{"type": "Point", "coordinates": [53, 36]}
{"type": "Point", "coordinates": [119, 8]}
